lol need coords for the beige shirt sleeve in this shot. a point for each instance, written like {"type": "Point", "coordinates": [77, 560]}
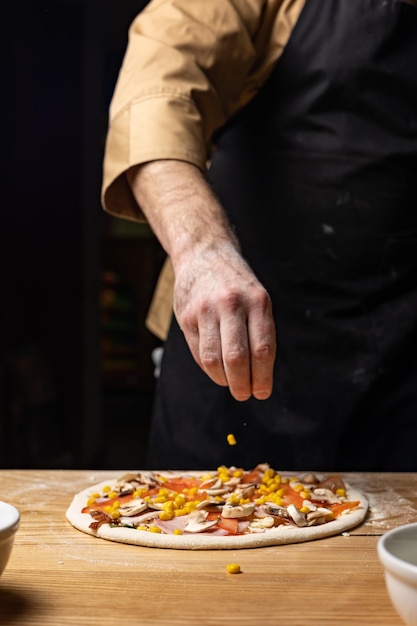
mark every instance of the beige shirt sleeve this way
{"type": "Point", "coordinates": [188, 68]}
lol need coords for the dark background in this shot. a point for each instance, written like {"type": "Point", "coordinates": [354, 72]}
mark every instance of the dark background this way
{"type": "Point", "coordinates": [76, 374]}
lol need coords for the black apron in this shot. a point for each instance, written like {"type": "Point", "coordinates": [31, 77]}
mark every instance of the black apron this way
{"type": "Point", "coordinates": [318, 175]}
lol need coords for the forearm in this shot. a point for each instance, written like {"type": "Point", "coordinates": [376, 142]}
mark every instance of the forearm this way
{"type": "Point", "coordinates": [221, 307]}
{"type": "Point", "coordinates": [181, 208]}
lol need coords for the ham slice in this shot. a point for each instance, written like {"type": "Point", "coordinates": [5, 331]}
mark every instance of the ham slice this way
{"type": "Point", "coordinates": [168, 526]}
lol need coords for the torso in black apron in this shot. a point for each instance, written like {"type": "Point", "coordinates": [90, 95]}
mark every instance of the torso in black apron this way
{"type": "Point", "coordinates": [319, 177]}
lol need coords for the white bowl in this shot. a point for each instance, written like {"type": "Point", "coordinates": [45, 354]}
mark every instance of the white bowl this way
{"type": "Point", "coordinates": [397, 551]}
{"type": "Point", "coordinates": [9, 523]}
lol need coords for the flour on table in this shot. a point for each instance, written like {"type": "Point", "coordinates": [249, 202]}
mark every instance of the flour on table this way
{"type": "Point", "coordinates": [386, 507]}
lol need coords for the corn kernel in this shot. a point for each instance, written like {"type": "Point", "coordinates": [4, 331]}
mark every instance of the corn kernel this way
{"type": "Point", "coordinates": [106, 489]}
{"type": "Point", "coordinates": [233, 568]}
{"type": "Point", "coordinates": [298, 487]}
{"type": "Point", "coordinates": [231, 440]}
{"type": "Point", "coordinates": [269, 473]}
{"type": "Point", "coordinates": [154, 529]}
{"type": "Point", "coordinates": [168, 506]}
{"type": "Point", "coordinates": [166, 515]}
{"type": "Point", "coordinates": [180, 500]}
{"type": "Point", "coordinates": [177, 531]}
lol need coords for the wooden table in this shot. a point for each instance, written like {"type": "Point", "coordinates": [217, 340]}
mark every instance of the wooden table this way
{"type": "Point", "coordinates": [58, 575]}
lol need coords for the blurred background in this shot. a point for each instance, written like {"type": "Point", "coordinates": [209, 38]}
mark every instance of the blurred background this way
{"type": "Point", "coordinates": [76, 372]}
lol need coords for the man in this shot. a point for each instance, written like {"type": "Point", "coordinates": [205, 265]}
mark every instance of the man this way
{"type": "Point", "coordinates": [294, 255]}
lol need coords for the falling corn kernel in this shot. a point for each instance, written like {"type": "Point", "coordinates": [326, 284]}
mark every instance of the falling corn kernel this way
{"type": "Point", "coordinates": [233, 568]}
{"type": "Point", "coordinates": [231, 440]}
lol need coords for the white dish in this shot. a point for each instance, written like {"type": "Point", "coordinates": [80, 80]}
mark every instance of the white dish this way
{"type": "Point", "coordinates": [9, 523]}
{"type": "Point", "coordinates": [397, 551]}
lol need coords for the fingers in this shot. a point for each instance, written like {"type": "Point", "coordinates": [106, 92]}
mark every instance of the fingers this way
{"type": "Point", "coordinates": [210, 350]}
{"type": "Point", "coordinates": [249, 349]}
{"type": "Point", "coordinates": [236, 357]}
{"type": "Point", "coordinates": [262, 347]}
{"type": "Point", "coordinates": [236, 347]}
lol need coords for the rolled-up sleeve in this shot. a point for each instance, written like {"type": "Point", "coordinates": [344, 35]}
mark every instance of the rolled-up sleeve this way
{"type": "Point", "coordinates": [188, 67]}
{"type": "Point", "coordinates": [182, 77]}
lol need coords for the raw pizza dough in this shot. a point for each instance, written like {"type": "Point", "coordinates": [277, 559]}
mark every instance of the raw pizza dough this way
{"type": "Point", "coordinates": [279, 535]}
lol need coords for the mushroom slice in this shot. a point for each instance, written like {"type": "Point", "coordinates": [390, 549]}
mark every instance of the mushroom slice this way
{"type": "Point", "coordinates": [310, 479]}
{"type": "Point", "coordinates": [319, 515]}
{"type": "Point", "coordinates": [276, 510]}
{"type": "Point", "coordinates": [324, 495]}
{"type": "Point", "coordinates": [262, 467]}
{"type": "Point", "coordinates": [133, 507]}
{"type": "Point", "coordinates": [142, 479]}
{"type": "Point", "coordinates": [125, 489]}
{"type": "Point", "coordinates": [129, 477]}
{"type": "Point", "coordinates": [244, 492]}
{"type": "Point", "coordinates": [311, 506]}
{"type": "Point", "coordinates": [262, 522]}
{"type": "Point", "coordinates": [198, 522]}
{"type": "Point", "coordinates": [210, 505]}
{"type": "Point", "coordinates": [136, 520]}
{"type": "Point", "coordinates": [233, 482]}
{"type": "Point", "coordinates": [211, 483]}
{"type": "Point", "coordinates": [156, 506]}
{"type": "Point", "coordinates": [297, 516]}
{"type": "Point", "coordinates": [217, 492]}
{"type": "Point", "coordinates": [240, 510]}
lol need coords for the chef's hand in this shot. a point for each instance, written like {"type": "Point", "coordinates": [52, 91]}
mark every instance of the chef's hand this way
{"type": "Point", "coordinates": [221, 307]}
{"type": "Point", "coordinates": [226, 317]}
